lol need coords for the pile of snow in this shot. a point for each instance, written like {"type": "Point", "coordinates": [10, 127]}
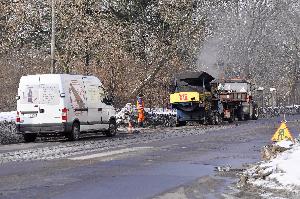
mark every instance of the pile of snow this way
{"type": "Point", "coordinates": [8, 116]}
{"type": "Point", "coordinates": [8, 133]}
{"type": "Point", "coordinates": [161, 111]}
{"type": "Point", "coordinates": [281, 172]}
{"type": "Point", "coordinates": [285, 144]}
{"type": "Point", "coordinates": [125, 114]}
{"type": "Point", "coordinates": [153, 117]}
{"type": "Point", "coordinates": [267, 112]}
{"type": "Point", "coordinates": [160, 119]}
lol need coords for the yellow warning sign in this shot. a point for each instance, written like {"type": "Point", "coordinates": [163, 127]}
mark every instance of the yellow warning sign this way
{"type": "Point", "coordinates": [282, 133]}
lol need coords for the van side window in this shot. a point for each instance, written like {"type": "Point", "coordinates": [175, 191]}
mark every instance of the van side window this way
{"type": "Point", "coordinates": [101, 92]}
{"type": "Point", "coordinates": [93, 95]}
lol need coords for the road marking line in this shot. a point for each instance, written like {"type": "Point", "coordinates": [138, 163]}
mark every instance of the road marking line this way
{"type": "Point", "coordinates": [110, 153]}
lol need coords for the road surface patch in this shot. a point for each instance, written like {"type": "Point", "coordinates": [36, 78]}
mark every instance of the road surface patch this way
{"type": "Point", "coordinates": [110, 153]}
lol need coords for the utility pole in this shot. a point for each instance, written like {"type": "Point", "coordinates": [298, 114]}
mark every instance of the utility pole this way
{"type": "Point", "coordinates": [53, 38]}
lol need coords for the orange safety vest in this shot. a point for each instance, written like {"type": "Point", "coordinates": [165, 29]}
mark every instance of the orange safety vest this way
{"type": "Point", "coordinates": [140, 106]}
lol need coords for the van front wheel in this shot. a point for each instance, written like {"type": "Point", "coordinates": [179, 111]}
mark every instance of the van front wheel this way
{"type": "Point", "coordinates": [29, 137]}
{"type": "Point", "coordinates": [75, 133]}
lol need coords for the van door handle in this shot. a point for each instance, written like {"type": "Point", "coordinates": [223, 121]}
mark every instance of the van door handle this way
{"type": "Point", "coordinates": [36, 105]}
{"type": "Point", "coordinates": [81, 109]}
{"type": "Point", "coordinates": [42, 110]}
{"type": "Point", "coordinates": [99, 109]}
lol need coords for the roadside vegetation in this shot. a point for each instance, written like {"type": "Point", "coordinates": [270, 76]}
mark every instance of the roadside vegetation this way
{"type": "Point", "coordinates": [138, 46]}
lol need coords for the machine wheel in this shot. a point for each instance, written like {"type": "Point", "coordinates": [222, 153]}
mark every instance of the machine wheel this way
{"type": "Point", "coordinates": [75, 132]}
{"type": "Point", "coordinates": [30, 137]}
{"type": "Point", "coordinates": [247, 116]}
{"type": "Point", "coordinates": [211, 119]}
{"type": "Point", "coordinates": [112, 130]}
{"type": "Point", "coordinates": [255, 113]}
{"type": "Point", "coordinates": [214, 119]}
{"type": "Point", "coordinates": [241, 115]}
{"type": "Point", "coordinates": [218, 119]}
{"type": "Point", "coordinates": [232, 116]}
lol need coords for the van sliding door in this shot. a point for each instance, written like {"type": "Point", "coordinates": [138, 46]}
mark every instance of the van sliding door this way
{"type": "Point", "coordinates": [94, 96]}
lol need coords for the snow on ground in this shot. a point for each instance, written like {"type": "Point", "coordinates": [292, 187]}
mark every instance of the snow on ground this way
{"type": "Point", "coordinates": [8, 116]}
{"type": "Point", "coordinates": [153, 117]}
{"type": "Point", "coordinates": [285, 144]}
{"type": "Point", "coordinates": [8, 133]}
{"type": "Point", "coordinates": [281, 172]}
{"type": "Point", "coordinates": [161, 111]}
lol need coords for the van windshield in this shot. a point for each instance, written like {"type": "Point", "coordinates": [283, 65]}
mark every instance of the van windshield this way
{"type": "Point", "coordinates": [40, 94]}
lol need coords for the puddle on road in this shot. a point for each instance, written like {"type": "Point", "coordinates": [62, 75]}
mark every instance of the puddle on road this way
{"type": "Point", "coordinates": [205, 181]}
{"type": "Point", "coordinates": [192, 178]}
{"type": "Point", "coordinates": [181, 169]}
{"type": "Point", "coordinates": [142, 183]}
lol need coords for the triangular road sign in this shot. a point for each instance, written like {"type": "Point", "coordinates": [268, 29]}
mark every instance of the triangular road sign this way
{"type": "Point", "coordinates": [282, 133]}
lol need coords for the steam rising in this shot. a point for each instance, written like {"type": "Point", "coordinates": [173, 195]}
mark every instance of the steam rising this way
{"type": "Point", "coordinates": [208, 58]}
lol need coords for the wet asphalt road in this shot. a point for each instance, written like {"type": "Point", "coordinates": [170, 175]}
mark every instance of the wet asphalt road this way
{"type": "Point", "coordinates": [156, 163]}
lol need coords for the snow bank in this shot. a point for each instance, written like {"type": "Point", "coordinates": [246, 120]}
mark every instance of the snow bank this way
{"type": "Point", "coordinates": [285, 144]}
{"type": "Point", "coordinates": [8, 133]}
{"type": "Point", "coordinates": [282, 172]}
{"type": "Point", "coordinates": [153, 117]}
{"type": "Point", "coordinates": [161, 111]}
{"type": "Point", "coordinates": [8, 116]}
{"type": "Point", "coordinates": [285, 168]}
{"type": "Point", "coordinates": [125, 114]}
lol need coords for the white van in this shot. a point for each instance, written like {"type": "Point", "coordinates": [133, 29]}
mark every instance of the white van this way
{"type": "Point", "coordinates": [63, 104]}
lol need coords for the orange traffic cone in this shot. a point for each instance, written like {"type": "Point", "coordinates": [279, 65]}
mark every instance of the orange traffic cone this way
{"type": "Point", "coordinates": [130, 127]}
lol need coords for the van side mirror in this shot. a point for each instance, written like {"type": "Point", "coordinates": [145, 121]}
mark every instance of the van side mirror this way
{"type": "Point", "coordinates": [106, 100]}
{"type": "Point", "coordinates": [17, 97]}
{"type": "Point", "coordinates": [62, 95]}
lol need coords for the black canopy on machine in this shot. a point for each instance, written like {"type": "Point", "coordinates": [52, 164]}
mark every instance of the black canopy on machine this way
{"type": "Point", "coordinates": [193, 81]}
{"type": "Point", "coordinates": [230, 81]}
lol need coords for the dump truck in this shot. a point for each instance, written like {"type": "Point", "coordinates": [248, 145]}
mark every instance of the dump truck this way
{"type": "Point", "coordinates": [236, 98]}
{"type": "Point", "coordinates": [193, 99]}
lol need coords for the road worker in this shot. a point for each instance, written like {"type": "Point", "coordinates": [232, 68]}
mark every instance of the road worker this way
{"type": "Point", "coordinates": [141, 113]}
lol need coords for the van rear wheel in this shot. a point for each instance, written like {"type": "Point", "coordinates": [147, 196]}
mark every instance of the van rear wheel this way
{"type": "Point", "coordinates": [75, 132]}
{"type": "Point", "coordinates": [30, 137]}
{"type": "Point", "coordinates": [112, 130]}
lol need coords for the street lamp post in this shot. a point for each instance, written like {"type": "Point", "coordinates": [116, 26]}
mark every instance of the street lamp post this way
{"type": "Point", "coordinates": [273, 96]}
{"type": "Point", "coordinates": [53, 38]}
